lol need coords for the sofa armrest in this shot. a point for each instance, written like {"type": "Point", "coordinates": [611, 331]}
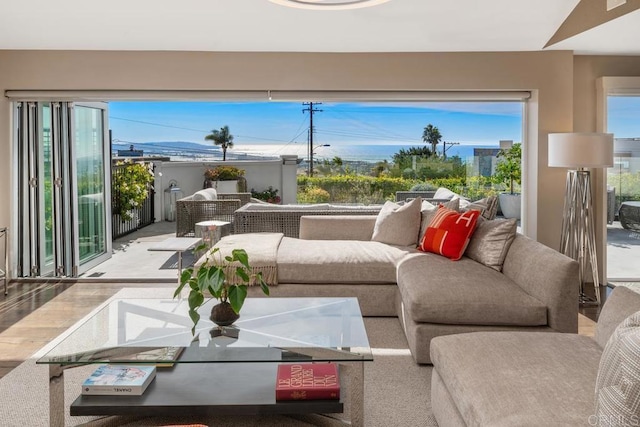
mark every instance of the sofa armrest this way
{"type": "Point", "coordinates": [337, 227]}
{"type": "Point", "coordinates": [548, 276]}
{"type": "Point", "coordinates": [620, 304]}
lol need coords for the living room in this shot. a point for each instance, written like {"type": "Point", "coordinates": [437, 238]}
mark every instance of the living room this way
{"type": "Point", "coordinates": [564, 86]}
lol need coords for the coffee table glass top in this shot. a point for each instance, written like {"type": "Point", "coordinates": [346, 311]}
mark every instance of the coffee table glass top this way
{"type": "Point", "coordinates": [269, 330]}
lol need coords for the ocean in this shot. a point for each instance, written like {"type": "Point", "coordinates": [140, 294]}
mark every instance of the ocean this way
{"type": "Point", "coordinates": [368, 153]}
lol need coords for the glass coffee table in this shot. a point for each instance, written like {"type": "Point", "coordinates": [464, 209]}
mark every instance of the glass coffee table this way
{"type": "Point", "coordinates": [220, 371]}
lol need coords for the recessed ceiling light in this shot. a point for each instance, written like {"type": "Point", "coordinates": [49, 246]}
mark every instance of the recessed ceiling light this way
{"type": "Point", "coordinates": [329, 4]}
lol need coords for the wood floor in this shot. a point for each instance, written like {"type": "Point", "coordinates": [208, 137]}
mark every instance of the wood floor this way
{"type": "Point", "coordinates": [35, 313]}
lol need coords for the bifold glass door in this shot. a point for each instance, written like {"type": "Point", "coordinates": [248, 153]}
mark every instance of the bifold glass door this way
{"type": "Point", "coordinates": [62, 153]}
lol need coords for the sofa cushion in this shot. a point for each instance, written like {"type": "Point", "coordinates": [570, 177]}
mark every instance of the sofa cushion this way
{"type": "Point", "coordinates": [449, 232]}
{"type": "Point", "coordinates": [436, 290]}
{"type": "Point", "coordinates": [519, 378]}
{"type": "Point", "coordinates": [490, 242]}
{"type": "Point", "coordinates": [487, 206]}
{"type": "Point", "coordinates": [205, 194]}
{"type": "Point", "coordinates": [337, 261]}
{"type": "Point", "coordinates": [398, 224]}
{"type": "Point", "coordinates": [618, 384]}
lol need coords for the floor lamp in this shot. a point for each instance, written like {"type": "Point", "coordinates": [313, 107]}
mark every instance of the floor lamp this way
{"type": "Point", "coordinates": [580, 151]}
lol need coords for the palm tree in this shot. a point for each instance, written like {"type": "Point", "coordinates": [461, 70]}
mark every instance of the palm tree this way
{"type": "Point", "coordinates": [431, 135]}
{"type": "Point", "coordinates": [222, 138]}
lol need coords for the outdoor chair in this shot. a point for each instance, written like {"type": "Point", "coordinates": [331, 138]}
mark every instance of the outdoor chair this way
{"type": "Point", "coordinates": [189, 211]}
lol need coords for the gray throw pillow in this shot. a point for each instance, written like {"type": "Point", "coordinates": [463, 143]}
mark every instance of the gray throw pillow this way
{"type": "Point", "coordinates": [398, 225]}
{"type": "Point", "coordinates": [490, 242]}
{"type": "Point", "coordinates": [618, 382]}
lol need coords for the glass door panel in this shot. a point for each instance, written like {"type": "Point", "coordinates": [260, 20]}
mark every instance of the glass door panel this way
{"type": "Point", "coordinates": [623, 189]}
{"type": "Point", "coordinates": [46, 167]}
{"type": "Point", "coordinates": [90, 179]}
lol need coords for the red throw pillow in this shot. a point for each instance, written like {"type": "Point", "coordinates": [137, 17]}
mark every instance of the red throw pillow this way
{"type": "Point", "coordinates": [449, 232]}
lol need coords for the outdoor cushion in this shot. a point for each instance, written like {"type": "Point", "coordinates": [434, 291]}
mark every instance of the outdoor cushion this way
{"type": "Point", "coordinates": [436, 290]}
{"type": "Point", "coordinates": [506, 379]}
{"type": "Point", "coordinates": [205, 194]}
{"type": "Point", "coordinates": [337, 261]}
{"type": "Point", "coordinates": [449, 232]}
{"type": "Point", "coordinates": [491, 241]}
{"type": "Point", "coordinates": [398, 225]}
{"type": "Point", "coordinates": [445, 193]}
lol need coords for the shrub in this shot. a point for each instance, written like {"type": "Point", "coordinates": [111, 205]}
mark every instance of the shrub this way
{"type": "Point", "coordinates": [313, 195]}
{"type": "Point", "coordinates": [223, 173]}
{"type": "Point", "coordinates": [423, 186]}
{"type": "Point", "coordinates": [131, 185]}
{"type": "Point", "coordinates": [269, 195]}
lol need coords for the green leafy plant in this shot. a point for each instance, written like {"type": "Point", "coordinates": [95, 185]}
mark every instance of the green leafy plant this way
{"type": "Point", "coordinates": [223, 173]}
{"type": "Point", "coordinates": [131, 183]}
{"type": "Point", "coordinates": [509, 167]}
{"type": "Point", "coordinates": [212, 278]}
{"type": "Point", "coordinates": [223, 138]}
{"type": "Point", "coordinates": [269, 195]}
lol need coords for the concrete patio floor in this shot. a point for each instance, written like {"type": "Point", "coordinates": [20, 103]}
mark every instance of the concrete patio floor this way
{"type": "Point", "coordinates": [133, 260]}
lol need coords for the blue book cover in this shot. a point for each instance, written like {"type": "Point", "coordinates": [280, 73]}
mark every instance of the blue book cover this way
{"type": "Point", "coordinates": [119, 379]}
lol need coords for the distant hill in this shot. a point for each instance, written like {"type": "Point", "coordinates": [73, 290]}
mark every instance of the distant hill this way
{"type": "Point", "coordinates": [162, 147]}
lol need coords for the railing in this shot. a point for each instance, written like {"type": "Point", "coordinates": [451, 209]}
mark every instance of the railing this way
{"type": "Point", "coordinates": [140, 217]}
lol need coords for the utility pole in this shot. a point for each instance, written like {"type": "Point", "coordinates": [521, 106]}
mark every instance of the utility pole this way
{"type": "Point", "coordinates": [444, 148]}
{"type": "Point", "coordinates": [311, 109]}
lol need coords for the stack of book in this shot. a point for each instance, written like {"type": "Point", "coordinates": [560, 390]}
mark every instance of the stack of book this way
{"type": "Point", "coordinates": [308, 381]}
{"type": "Point", "coordinates": [119, 380]}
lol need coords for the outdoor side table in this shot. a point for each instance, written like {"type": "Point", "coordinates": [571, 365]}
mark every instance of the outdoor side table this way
{"type": "Point", "coordinates": [629, 214]}
{"type": "Point", "coordinates": [212, 231]}
{"type": "Point", "coordinates": [177, 245]}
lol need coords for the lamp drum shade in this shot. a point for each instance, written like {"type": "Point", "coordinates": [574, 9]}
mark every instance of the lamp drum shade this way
{"type": "Point", "coordinates": [581, 150]}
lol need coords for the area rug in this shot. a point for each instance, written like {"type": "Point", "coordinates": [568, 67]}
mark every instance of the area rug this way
{"type": "Point", "coordinates": [397, 391]}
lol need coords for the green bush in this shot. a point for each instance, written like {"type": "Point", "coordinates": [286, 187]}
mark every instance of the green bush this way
{"type": "Point", "coordinates": [310, 195]}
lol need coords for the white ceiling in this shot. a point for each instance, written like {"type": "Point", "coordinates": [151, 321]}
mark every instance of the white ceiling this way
{"type": "Point", "coordinates": [260, 25]}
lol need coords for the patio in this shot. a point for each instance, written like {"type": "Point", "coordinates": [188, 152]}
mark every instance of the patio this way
{"type": "Point", "coordinates": [133, 260]}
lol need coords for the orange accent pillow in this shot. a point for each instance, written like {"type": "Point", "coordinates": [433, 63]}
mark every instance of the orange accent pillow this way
{"type": "Point", "coordinates": [449, 232]}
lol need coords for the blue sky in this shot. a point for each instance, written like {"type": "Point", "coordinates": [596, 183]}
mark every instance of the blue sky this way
{"type": "Point", "coordinates": [283, 123]}
{"type": "Point", "coordinates": [624, 116]}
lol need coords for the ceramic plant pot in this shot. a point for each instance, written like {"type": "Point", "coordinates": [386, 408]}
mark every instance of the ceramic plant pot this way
{"type": "Point", "coordinates": [223, 315]}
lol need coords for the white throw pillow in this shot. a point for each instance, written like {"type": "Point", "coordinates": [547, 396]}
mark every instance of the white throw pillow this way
{"type": "Point", "coordinates": [398, 225]}
{"type": "Point", "coordinates": [206, 194]}
{"type": "Point", "coordinates": [445, 193]}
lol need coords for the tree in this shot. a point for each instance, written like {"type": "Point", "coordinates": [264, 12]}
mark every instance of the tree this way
{"type": "Point", "coordinates": [222, 138]}
{"type": "Point", "coordinates": [432, 136]}
{"type": "Point", "coordinates": [509, 166]}
{"type": "Point", "coordinates": [404, 158]}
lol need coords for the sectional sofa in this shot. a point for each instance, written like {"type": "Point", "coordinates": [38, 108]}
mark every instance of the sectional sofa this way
{"type": "Point", "coordinates": [534, 379]}
{"type": "Point", "coordinates": [534, 289]}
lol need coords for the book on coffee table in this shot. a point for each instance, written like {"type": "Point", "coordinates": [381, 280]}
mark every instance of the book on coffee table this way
{"type": "Point", "coordinates": [164, 357]}
{"type": "Point", "coordinates": [119, 380]}
{"type": "Point", "coordinates": [308, 381]}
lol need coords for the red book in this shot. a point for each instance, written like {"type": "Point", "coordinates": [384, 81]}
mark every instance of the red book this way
{"type": "Point", "coordinates": [308, 381]}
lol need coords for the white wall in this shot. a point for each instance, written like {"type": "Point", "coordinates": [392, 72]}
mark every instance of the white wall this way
{"type": "Point", "coordinates": [260, 174]}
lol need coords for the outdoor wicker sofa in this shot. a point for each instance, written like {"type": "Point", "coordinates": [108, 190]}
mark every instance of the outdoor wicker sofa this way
{"type": "Point", "coordinates": [285, 219]}
{"type": "Point", "coordinates": [189, 211]}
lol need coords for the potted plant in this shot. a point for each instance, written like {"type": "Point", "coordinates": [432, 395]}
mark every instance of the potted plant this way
{"type": "Point", "coordinates": [270, 195]}
{"type": "Point", "coordinates": [509, 172]}
{"type": "Point", "coordinates": [225, 279]}
{"type": "Point", "coordinates": [223, 178]}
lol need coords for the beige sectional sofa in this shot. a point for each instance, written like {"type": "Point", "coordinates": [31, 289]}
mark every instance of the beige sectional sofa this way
{"type": "Point", "coordinates": [535, 379]}
{"type": "Point", "coordinates": [432, 296]}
